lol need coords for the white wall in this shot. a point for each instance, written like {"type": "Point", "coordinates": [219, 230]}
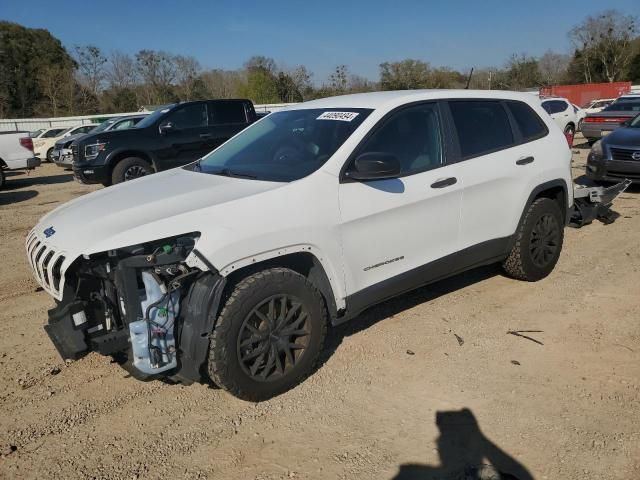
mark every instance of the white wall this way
{"type": "Point", "coordinates": [30, 124]}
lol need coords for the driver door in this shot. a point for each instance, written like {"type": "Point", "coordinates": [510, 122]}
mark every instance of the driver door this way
{"type": "Point", "coordinates": [393, 230]}
{"type": "Point", "coordinates": [188, 138]}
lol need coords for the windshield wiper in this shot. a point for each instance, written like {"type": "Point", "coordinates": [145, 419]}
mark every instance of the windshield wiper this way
{"type": "Point", "coordinates": [227, 172]}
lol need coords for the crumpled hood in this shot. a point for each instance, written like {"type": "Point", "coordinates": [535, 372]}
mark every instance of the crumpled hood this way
{"type": "Point", "coordinates": [170, 203]}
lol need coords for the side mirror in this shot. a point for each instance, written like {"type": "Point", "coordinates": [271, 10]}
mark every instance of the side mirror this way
{"type": "Point", "coordinates": [167, 127]}
{"type": "Point", "coordinates": [374, 166]}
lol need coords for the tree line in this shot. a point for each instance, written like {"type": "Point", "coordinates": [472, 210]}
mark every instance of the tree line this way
{"type": "Point", "coordinates": [40, 77]}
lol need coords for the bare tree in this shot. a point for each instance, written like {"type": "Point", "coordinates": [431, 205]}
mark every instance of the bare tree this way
{"type": "Point", "coordinates": [259, 62]}
{"type": "Point", "coordinates": [91, 67]}
{"type": "Point", "coordinates": [187, 70]}
{"type": "Point", "coordinates": [404, 75]}
{"type": "Point", "coordinates": [553, 67]}
{"type": "Point", "coordinates": [221, 83]}
{"type": "Point", "coordinates": [606, 38]}
{"type": "Point", "coordinates": [121, 70]}
{"type": "Point", "coordinates": [302, 79]}
{"type": "Point", "coordinates": [339, 79]}
{"type": "Point", "coordinates": [55, 82]}
{"type": "Point", "coordinates": [157, 69]}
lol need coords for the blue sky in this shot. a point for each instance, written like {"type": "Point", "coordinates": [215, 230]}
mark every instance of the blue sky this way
{"type": "Point", "coordinates": [318, 34]}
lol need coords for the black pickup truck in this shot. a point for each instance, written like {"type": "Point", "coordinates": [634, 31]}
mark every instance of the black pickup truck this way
{"type": "Point", "coordinates": [170, 137]}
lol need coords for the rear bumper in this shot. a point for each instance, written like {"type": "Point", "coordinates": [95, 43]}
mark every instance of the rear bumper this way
{"type": "Point", "coordinates": [613, 171]}
{"type": "Point", "coordinates": [595, 130]}
{"type": "Point", "coordinates": [91, 174]}
{"type": "Point", "coordinates": [32, 162]}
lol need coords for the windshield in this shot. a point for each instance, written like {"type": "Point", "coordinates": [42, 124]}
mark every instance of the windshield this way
{"type": "Point", "coordinates": [284, 146]}
{"type": "Point", "coordinates": [624, 106]}
{"type": "Point", "coordinates": [635, 123]}
{"type": "Point", "coordinates": [151, 119]}
{"type": "Point", "coordinates": [53, 133]}
{"type": "Point", "coordinates": [103, 126]}
{"type": "Point", "coordinates": [63, 132]}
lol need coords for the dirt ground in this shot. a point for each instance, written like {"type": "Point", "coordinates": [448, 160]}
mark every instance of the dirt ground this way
{"type": "Point", "coordinates": [415, 388]}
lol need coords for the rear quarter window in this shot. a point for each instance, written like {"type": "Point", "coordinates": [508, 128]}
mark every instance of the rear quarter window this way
{"type": "Point", "coordinates": [222, 113]}
{"type": "Point", "coordinates": [529, 123]}
{"type": "Point", "coordinates": [482, 126]}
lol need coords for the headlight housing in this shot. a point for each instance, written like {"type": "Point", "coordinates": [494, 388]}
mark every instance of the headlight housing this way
{"type": "Point", "coordinates": [597, 152]}
{"type": "Point", "coordinates": [93, 150]}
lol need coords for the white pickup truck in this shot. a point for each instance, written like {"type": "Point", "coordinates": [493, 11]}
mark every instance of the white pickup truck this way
{"type": "Point", "coordinates": [16, 153]}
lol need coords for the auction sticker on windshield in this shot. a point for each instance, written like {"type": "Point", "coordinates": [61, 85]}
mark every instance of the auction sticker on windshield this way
{"type": "Point", "coordinates": [342, 116]}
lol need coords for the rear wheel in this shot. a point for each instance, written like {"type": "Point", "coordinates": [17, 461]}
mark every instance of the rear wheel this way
{"type": "Point", "coordinates": [129, 169]}
{"type": "Point", "coordinates": [538, 242]}
{"type": "Point", "coordinates": [570, 132]}
{"type": "Point", "coordinates": [2, 178]}
{"type": "Point", "coordinates": [268, 336]}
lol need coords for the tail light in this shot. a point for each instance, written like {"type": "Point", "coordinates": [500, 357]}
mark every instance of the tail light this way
{"type": "Point", "coordinates": [606, 119]}
{"type": "Point", "coordinates": [27, 143]}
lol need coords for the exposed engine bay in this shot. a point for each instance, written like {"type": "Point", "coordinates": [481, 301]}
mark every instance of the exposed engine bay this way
{"type": "Point", "coordinates": [129, 303]}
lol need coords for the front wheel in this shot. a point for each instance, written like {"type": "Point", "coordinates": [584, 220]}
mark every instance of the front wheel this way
{"type": "Point", "coordinates": [2, 178]}
{"type": "Point", "coordinates": [129, 169]}
{"type": "Point", "coordinates": [538, 242]}
{"type": "Point", "coordinates": [50, 155]}
{"type": "Point", "coordinates": [268, 336]}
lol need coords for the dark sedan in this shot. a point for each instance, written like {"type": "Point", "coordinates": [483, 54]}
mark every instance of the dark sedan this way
{"type": "Point", "coordinates": [601, 124]}
{"type": "Point", "coordinates": [617, 155]}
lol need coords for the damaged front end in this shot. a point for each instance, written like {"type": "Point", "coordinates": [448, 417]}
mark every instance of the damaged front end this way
{"type": "Point", "coordinates": [143, 305]}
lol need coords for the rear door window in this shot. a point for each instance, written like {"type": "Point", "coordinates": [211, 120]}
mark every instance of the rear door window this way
{"type": "Point", "coordinates": [482, 126]}
{"type": "Point", "coordinates": [554, 106]}
{"type": "Point", "coordinates": [189, 116]}
{"type": "Point", "coordinates": [530, 124]}
{"type": "Point", "coordinates": [224, 113]}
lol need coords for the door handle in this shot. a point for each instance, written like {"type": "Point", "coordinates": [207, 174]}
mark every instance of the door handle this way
{"type": "Point", "coordinates": [525, 161]}
{"type": "Point", "coordinates": [205, 135]}
{"type": "Point", "coordinates": [444, 182]}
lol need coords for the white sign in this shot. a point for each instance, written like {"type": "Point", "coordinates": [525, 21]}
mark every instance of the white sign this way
{"type": "Point", "coordinates": [342, 116]}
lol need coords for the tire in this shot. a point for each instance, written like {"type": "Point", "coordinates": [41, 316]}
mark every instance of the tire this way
{"type": "Point", "coordinates": [2, 178]}
{"type": "Point", "coordinates": [570, 133]}
{"type": "Point", "coordinates": [130, 168]}
{"type": "Point", "coordinates": [249, 361]}
{"type": "Point", "coordinates": [579, 129]}
{"type": "Point", "coordinates": [531, 259]}
{"type": "Point", "coordinates": [49, 158]}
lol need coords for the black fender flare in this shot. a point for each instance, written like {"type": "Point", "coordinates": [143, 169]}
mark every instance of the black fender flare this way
{"type": "Point", "coordinates": [535, 193]}
{"type": "Point", "coordinates": [199, 311]}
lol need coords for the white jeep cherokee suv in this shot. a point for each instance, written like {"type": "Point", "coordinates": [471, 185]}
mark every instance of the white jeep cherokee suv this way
{"type": "Point", "coordinates": [233, 267]}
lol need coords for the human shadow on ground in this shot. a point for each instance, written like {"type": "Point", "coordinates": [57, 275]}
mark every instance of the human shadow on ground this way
{"type": "Point", "coordinates": [465, 454]}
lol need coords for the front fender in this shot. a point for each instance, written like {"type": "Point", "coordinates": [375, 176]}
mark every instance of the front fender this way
{"type": "Point", "coordinates": [226, 267]}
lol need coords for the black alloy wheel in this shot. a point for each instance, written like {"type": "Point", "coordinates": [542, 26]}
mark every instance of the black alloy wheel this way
{"type": "Point", "coordinates": [273, 337]}
{"type": "Point", "coordinates": [544, 241]}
